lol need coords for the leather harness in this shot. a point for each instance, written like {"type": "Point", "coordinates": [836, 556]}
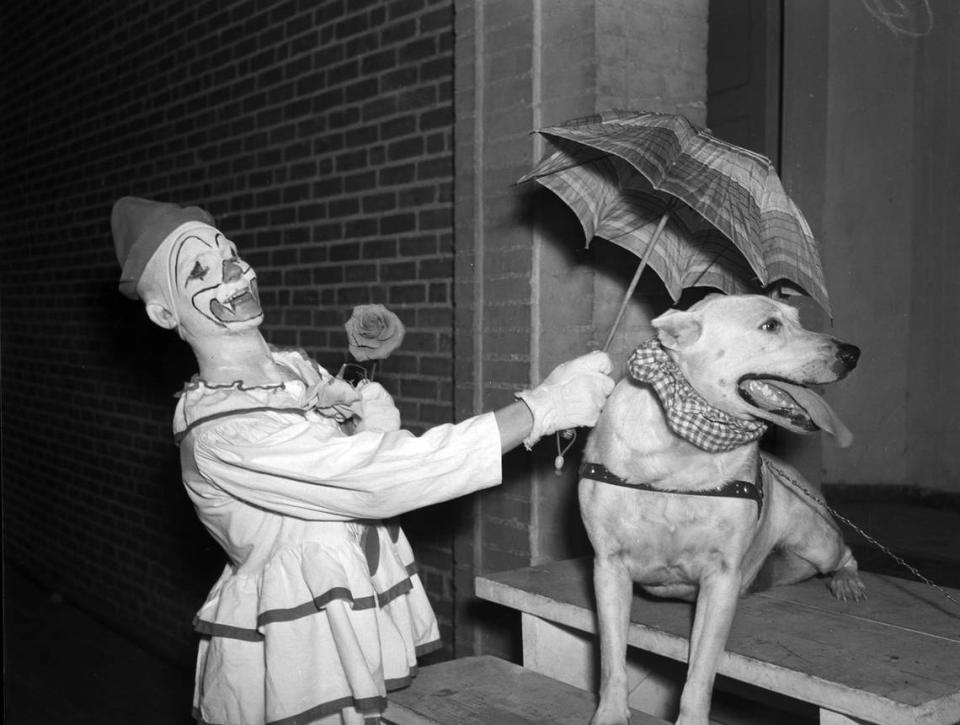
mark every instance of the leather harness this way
{"type": "Point", "coordinates": [730, 489]}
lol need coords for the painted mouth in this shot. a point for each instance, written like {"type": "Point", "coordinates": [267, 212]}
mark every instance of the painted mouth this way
{"type": "Point", "coordinates": [792, 406]}
{"type": "Point", "coordinates": [241, 306]}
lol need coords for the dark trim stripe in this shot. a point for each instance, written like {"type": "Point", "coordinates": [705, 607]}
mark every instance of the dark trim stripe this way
{"type": "Point", "coordinates": [398, 683]}
{"type": "Point", "coordinates": [428, 647]}
{"type": "Point", "coordinates": [213, 629]}
{"type": "Point", "coordinates": [384, 598]}
{"type": "Point", "coordinates": [273, 616]}
{"type": "Point", "coordinates": [370, 706]}
{"type": "Point", "coordinates": [178, 437]}
{"type": "Point", "coordinates": [365, 706]}
{"type": "Point", "coordinates": [307, 608]}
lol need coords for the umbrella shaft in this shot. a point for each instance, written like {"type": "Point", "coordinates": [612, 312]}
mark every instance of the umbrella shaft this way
{"type": "Point", "coordinates": [636, 278]}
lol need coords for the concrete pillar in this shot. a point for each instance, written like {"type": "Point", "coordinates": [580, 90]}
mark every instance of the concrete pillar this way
{"type": "Point", "coordinates": [527, 297]}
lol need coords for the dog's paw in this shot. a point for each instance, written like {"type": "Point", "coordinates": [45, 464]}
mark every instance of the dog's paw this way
{"type": "Point", "coordinates": [610, 716]}
{"type": "Point", "coordinates": [846, 585]}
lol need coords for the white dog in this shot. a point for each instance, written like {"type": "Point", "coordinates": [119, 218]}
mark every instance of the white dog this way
{"type": "Point", "coordinates": [677, 497]}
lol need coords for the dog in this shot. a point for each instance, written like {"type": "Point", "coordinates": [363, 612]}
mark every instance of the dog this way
{"type": "Point", "coordinates": [705, 516]}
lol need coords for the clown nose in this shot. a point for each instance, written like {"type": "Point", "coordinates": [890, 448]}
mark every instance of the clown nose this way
{"type": "Point", "coordinates": [231, 271]}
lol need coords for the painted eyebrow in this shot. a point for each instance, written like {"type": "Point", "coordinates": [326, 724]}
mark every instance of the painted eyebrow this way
{"type": "Point", "coordinates": [183, 241]}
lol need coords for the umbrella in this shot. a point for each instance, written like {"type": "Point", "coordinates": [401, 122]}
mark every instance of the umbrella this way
{"type": "Point", "coordinates": [698, 210]}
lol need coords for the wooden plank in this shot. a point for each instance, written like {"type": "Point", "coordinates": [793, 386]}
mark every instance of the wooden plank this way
{"type": "Point", "coordinates": [489, 691]}
{"type": "Point", "coordinates": [874, 661]}
{"type": "Point", "coordinates": [822, 637]}
{"type": "Point", "coordinates": [890, 600]}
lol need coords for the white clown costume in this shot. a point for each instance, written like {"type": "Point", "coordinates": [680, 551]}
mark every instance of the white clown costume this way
{"type": "Point", "coordinates": [319, 608]}
{"type": "Point", "coordinates": [319, 611]}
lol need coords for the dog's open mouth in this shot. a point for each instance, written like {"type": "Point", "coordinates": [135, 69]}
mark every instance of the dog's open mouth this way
{"type": "Point", "coordinates": [793, 406]}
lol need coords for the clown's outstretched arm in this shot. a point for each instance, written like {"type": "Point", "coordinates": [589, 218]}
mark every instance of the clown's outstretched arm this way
{"type": "Point", "coordinates": [298, 469]}
{"type": "Point", "coordinates": [575, 391]}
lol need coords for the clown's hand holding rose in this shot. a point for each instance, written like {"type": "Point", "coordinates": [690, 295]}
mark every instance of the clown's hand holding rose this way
{"type": "Point", "coordinates": [373, 332]}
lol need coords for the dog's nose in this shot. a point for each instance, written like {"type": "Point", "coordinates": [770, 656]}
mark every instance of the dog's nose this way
{"type": "Point", "coordinates": [848, 354]}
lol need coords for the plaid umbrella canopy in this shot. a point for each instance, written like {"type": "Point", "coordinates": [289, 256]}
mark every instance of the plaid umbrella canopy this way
{"type": "Point", "coordinates": [698, 210]}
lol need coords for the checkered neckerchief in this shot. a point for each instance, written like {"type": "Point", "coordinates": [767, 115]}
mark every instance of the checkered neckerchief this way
{"type": "Point", "coordinates": [688, 414]}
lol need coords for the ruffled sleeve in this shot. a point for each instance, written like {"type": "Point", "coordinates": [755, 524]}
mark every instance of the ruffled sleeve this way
{"type": "Point", "coordinates": [298, 469]}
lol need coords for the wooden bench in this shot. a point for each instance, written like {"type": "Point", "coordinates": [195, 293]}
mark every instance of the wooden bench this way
{"type": "Point", "coordinates": [891, 660]}
{"type": "Point", "coordinates": [490, 691]}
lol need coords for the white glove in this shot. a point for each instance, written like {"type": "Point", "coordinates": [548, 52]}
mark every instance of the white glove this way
{"type": "Point", "coordinates": [571, 396]}
{"type": "Point", "coordinates": [376, 409]}
{"type": "Point", "coordinates": [333, 398]}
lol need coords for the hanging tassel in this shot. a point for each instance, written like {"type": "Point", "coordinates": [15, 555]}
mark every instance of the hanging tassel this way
{"type": "Point", "coordinates": [571, 435]}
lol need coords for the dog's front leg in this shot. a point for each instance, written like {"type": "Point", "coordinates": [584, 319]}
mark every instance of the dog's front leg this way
{"type": "Point", "coordinates": [614, 591]}
{"type": "Point", "coordinates": [716, 604]}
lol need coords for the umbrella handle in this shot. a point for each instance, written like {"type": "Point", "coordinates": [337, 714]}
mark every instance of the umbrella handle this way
{"type": "Point", "coordinates": [636, 278]}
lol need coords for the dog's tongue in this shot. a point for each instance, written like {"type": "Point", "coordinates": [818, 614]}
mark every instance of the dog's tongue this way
{"type": "Point", "coordinates": [818, 410]}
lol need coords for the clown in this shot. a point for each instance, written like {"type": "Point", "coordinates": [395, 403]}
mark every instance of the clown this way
{"type": "Point", "coordinates": [319, 610]}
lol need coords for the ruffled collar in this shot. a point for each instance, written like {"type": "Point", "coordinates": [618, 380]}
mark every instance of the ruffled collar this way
{"type": "Point", "coordinates": [199, 400]}
{"type": "Point", "coordinates": [294, 359]}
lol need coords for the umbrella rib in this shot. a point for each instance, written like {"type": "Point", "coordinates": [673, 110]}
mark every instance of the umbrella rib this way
{"type": "Point", "coordinates": [572, 165]}
{"type": "Point", "coordinates": [713, 261]}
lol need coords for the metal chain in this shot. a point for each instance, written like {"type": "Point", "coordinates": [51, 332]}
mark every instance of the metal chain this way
{"type": "Point", "coordinates": [886, 550]}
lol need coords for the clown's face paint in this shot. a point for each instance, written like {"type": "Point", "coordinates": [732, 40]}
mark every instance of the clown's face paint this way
{"type": "Point", "coordinates": [211, 284]}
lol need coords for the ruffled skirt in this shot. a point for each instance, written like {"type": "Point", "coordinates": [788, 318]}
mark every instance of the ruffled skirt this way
{"type": "Point", "coordinates": [315, 633]}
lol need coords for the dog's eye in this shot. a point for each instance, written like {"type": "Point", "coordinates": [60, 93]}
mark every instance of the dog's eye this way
{"type": "Point", "coordinates": [771, 325]}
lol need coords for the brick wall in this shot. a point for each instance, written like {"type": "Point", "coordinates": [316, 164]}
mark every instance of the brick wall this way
{"type": "Point", "coordinates": [320, 137]}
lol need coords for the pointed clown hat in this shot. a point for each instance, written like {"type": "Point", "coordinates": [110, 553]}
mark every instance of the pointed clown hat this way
{"type": "Point", "coordinates": [139, 228]}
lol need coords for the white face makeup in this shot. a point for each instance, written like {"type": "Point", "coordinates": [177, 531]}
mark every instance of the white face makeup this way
{"type": "Point", "coordinates": [211, 284]}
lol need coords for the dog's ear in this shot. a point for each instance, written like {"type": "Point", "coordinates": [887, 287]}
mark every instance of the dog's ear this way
{"type": "Point", "coordinates": [677, 329]}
